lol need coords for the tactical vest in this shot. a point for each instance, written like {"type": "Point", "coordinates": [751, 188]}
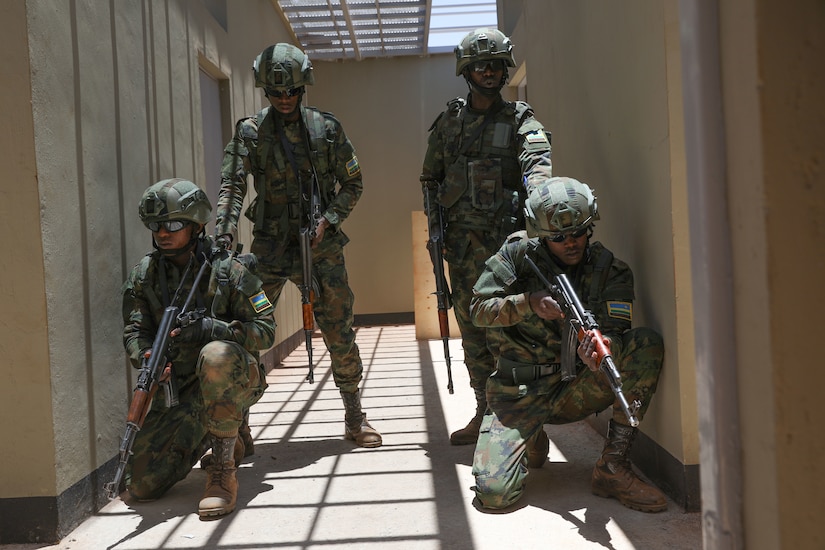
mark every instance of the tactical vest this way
{"type": "Point", "coordinates": [280, 208]}
{"type": "Point", "coordinates": [482, 186]}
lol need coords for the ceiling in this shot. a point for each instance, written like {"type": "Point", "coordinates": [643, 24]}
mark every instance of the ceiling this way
{"type": "Point", "coordinates": [359, 29]}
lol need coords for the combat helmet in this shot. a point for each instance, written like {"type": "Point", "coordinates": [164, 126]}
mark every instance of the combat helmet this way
{"type": "Point", "coordinates": [483, 45]}
{"type": "Point", "coordinates": [282, 67]}
{"type": "Point", "coordinates": [174, 199]}
{"type": "Point", "coordinates": [559, 205]}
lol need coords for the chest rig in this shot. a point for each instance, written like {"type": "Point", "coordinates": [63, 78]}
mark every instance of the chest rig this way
{"type": "Point", "coordinates": [276, 207]}
{"type": "Point", "coordinates": [482, 183]}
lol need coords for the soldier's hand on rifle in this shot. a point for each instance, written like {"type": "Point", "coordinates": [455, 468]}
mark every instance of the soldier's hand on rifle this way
{"type": "Point", "coordinates": [545, 306]}
{"type": "Point", "coordinates": [587, 350]}
{"type": "Point", "coordinates": [195, 332]}
{"type": "Point", "coordinates": [167, 370]}
{"type": "Point", "coordinates": [319, 231]}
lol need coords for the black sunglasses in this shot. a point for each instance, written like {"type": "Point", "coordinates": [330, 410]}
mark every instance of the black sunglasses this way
{"type": "Point", "coordinates": [171, 226]}
{"type": "Point", "coordinates": [481, 66]}
{"type": "Point", "coordinates": [284, 93]}
{"type": "Point", "coordinates": [561, 237]}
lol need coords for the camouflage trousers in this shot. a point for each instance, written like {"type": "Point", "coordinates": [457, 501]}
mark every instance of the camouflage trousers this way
{"type": "Point", "coordinates": [517, 413]}
{"type": "Point", "coordinates": [227, 381]}
{"type": "Point", "coordinates": [333, 303]}
{"type": "Point", "coordinates": [463, 276]}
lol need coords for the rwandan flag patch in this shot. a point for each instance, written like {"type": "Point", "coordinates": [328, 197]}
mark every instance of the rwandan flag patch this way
{"type": "Point", "coordinates": [620, 310]}
{"type": "Point", "coordinates": [260, 302]}
{"type": "Point", "coordinates": [352, 166]}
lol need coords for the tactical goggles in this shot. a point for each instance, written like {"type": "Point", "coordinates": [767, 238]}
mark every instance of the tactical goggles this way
{"type": "Point", "coordinates": [495, 65]}
{"type": "Point", "coordinates": [172, 226]}
{"type": "Point", "coordinates": [292, 92]}
{"type": "Point", "coordinates": [561, 237]}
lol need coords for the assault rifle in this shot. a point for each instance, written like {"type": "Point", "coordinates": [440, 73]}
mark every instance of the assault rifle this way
{"type": "Point", "coordinates": [582, 320]}
{"type": "Point", "coordinates": [435, 244]}
{"type": "Point", "coordinates": [307, 287]}
{"type": "Point", "coordinates": [151, 369]}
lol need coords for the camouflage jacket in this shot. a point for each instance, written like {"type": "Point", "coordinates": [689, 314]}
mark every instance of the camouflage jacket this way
{"type": "Point", "coordinates": [501, 299]}
{"type": "Point", "coordinates": [228, 291]}
{"type": "Point", "coordinates": [257, 149]}
{"type": "Point", "coordinates": [480, 169]}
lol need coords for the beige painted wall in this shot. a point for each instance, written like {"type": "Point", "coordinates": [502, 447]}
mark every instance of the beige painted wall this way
{"type": "Point", "coordinates": [386, 107]}
{"type": "Point", "coordinates": [114, 107]}
{"type": "Point", "coordinates": [775, 123]}
{"type": "Point", "coordinates": [611, 95]}
{"type": "Point", "coordinates": [26, 394]}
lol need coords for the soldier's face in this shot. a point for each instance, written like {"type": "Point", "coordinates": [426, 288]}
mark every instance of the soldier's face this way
{"type": "Point", "coordinates": [173, 240]}
{"type": "Point", "coordinates": [489, 76]}
{"type": "Point", "coordinates": [286, 105]}
{"type": "Point", "coordinates": [570, 251]}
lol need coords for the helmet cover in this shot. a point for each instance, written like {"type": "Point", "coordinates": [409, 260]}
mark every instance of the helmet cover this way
{"type": "Point", "coordinates": [559, 205]}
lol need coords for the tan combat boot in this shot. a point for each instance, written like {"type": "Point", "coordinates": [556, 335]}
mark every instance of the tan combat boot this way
{"type": "Point", "coordinates": [356, 427]}
{"type": "Point", "coordinates": [537, 448]}
{"type": "Point", "coordinates": [221, 485]}
{"type": "Point", "coordinates": [613, 475]}
{"type": "Point", "coordinates": [245, 436]}
{"type": "Point", "coordinates": [468, 435]}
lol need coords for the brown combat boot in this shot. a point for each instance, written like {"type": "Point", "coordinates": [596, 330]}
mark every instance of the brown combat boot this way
{"type": "Point", "coordinates": [468, 435]}
{"type": "Point", "coordinates": [613, 475]}
{"type": "Point", "coordinates": [221, 485]}
{"type": "Point", "coordinates": [537, 448]}
{"type": "Point", "coordinates": [356, 427]}
{"type": "Point", "coordinates": [239, 453]}
{"type": "Point", "coordinates": [244, 446]}
{"type": "Point", "coordinates": [245, 436]}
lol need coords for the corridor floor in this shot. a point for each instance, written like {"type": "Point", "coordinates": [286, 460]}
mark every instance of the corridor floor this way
{"type": "Point", "coordinates": [308, 488]}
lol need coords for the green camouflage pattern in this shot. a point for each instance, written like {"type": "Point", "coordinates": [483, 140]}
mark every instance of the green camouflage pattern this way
{"type": "Point", "coordinates": [228, 380]}
{"type": "Point", "coordinates": [333, 306]}
{"type": "Point", "coordinates": [517, 412]}
{"type": "Point", "coordinates": [482, 193]}
{"type": "Point", "coordinates": [217, 381]}
{"type": "Point", "coordinates": [257, 149]}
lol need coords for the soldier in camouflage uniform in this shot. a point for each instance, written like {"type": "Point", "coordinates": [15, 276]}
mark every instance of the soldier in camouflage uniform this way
{"type": "Point", "coordinates": [214, 359]}
{"type": "Point", "coordinates": [525, 330]}
{"type": "Point", "coordinates": [293, 151]}
{"type": "Point", "coordinates": [481, 154]}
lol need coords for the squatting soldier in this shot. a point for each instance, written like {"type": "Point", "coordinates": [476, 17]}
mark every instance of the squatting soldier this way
{"type": "Point", "coordinates": [525, 330]}
{"type": "Point", "coordinates": [481, 154]}
{"type": "Point", "coordinates": [293, 151]}
{"type": "Point", "coordinates": [214, 359]}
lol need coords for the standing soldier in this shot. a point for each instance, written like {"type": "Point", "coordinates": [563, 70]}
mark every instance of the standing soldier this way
{"type": "Point", "coordinates": [482, 154]}
{"type": "Point", "coordinates": [294, 153]}
{"type": "Point", "coordinates": [213, 359]}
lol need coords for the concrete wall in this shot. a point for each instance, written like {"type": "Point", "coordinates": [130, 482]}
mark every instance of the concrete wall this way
{"type": "Point", "coordinates": [774, 122]}
{"type": "Point", "coordinates": [101, 100]}
{"type": "Point", "coordinates": [386, 107]}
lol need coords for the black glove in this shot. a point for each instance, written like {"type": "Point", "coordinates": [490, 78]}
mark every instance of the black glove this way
{"type": "Point", "coordinates": [198, 331]}
{"type": "Point", "coordinates": [204, 330]}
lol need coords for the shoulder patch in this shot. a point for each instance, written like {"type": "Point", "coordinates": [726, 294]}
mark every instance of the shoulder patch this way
{"type": "Point", "coordinates": [352, 166]}
{"type": "Point", "coordinates": [260, 302]}
{"type": "Point", "coordinates": [536, 137]}
{"type": "Point", "coordinates": [620, 310]}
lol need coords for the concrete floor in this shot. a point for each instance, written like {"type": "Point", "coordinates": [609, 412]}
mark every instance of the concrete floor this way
{"type": "Point", "coordinates": [306, 487]}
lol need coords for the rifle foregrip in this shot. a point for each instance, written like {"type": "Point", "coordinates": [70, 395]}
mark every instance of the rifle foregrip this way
{"type": "Point", "coordinates": [443, 323]}
{"type": "Point", "coordinates": [309, 319]}
{"type": "Point", "coordinates": [139, 406]}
